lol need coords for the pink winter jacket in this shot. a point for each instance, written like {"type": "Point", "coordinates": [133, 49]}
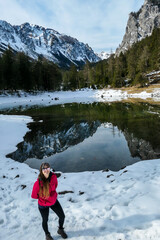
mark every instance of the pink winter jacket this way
{"type": "Point", "coordinates": [52, 189]}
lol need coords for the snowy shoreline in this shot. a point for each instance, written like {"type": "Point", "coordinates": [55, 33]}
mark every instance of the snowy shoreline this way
{"type": "Point", "coordinates": [103, 206]}
{"type": "Point", "coordinates": [79, 96]}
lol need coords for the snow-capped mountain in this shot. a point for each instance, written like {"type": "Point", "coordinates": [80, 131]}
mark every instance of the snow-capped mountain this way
{"type": "Point", "coordinates": [103, 55]}
{"type": "Point", "coordinates": [141, 24]}
{"type": "Point", "coordinates": [35, 40]}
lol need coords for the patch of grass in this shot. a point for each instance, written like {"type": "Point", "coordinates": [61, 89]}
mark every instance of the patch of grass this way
{"type": "Point", "coordinates": [149, 89]}
{"type": "Point", "coordinates": [139, 100]}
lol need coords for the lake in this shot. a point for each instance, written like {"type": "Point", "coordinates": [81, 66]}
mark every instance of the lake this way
{"type": "Point", "coordinates": [89, 137]}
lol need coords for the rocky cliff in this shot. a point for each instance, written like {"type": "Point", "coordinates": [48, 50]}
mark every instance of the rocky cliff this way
{"type": "Point", "coordinates": [141, 24]}
{"type": "Point", "coordinates": [141, 148]}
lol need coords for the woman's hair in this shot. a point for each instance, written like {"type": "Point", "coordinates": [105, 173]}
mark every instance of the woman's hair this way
{"type": "Point", "coordinates": [43, 191]}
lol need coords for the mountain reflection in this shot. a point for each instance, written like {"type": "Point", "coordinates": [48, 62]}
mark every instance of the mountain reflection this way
{"type": "Point", "coordinates": [58, 128]}
{"type": "Point", "coordinates": [41, 144]}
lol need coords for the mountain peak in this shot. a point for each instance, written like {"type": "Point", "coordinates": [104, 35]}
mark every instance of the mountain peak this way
{"type": "Point", "coordinates": [140, 24]}
{"type": "Point", "coordinates": [36, 40]}
{"type": "Point", "coordinates": [103, 55]}
{"type": "Point", "coordinates": [155, 2]}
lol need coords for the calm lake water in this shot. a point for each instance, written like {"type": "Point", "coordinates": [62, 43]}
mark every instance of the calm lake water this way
{"type": "Point", "coordinates": [89, 137]}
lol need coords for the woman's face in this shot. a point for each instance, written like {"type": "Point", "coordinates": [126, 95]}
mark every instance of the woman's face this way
{"type": "Point", "coordinates": [46, 171]}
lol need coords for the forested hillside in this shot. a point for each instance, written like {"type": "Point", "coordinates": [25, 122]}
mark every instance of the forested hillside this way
{"type": "Point", "coordinates": [129, 68]}
{"type": "Point", "coordinates": [18, 71]}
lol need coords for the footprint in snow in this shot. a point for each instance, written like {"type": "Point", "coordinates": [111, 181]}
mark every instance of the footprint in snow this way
{"type": "Point", "coordinates": [15, 226]}
{"type": "Point", "coordinates": [1, 221]}
{"type": "Point", "coordinates": [25, 227]}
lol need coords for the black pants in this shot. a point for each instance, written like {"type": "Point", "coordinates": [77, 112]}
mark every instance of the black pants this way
{"type": "Point", "coordinates": [45, 213]}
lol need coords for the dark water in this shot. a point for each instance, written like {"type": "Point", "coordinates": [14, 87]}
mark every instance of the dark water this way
{"type": "Point", "coordinates": [88, 137]}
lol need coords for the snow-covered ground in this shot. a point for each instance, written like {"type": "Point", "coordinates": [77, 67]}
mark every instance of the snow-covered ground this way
{"type": "Point", "coordinates": [120, 205]}
{"type": "Point", "coordinates": [85, 96]}
{"type": "Point", "coordinates": [112, 95]}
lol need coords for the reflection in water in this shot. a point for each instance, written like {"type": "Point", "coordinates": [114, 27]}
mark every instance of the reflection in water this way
{"type": "Point", "coordinates": [141, 148]}
{"type": "Point", "coordinates": [41, 145]}
{"type": "Point", "coordinates": [77, 137]}
{"type": "Point", "coordinates": [107, 148]}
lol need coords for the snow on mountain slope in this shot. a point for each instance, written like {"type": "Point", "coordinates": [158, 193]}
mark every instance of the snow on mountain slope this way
{"type": "Point", "coordinates": [37, 41]}
{"type": "Point", "coordinates": [103, 55]}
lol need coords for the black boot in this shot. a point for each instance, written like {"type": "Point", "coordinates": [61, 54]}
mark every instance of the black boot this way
{"type": "Point", "coordinates": [49, 237]}
{"type": "Point", "coordinates": [62, 233]}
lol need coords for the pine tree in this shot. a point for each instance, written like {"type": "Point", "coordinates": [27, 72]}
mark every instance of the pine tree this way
{"type": "Point", "coordinates": [120, 71]}
{"type": "Point", "coordinates": [37, 72]}
{"type": "Point", "coordinates": [51, 76]}
{"type": "Point", "coordinates": [1, 74]}
{"type": "Point", "coordinates": [132, 63]}
{"type": "Point", "coordinates": [73, 83]}
{"type": "Point", "coordinates": [143, 62]}
{"type": "Point", "coordinates": [87, 74]}
{"type": "Point", "coordinates": [24, 68]}
{"type": "Point", "coordinates": [111, 68]}
{"type": "Point", "coordinates": [7, 72]}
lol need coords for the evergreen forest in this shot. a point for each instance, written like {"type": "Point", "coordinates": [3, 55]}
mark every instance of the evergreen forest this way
{"type": "Point", "coordinates": [18, 71]}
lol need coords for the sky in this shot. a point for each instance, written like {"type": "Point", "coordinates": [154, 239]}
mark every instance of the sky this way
{"type": "Point", "coordinates": [99, 23]}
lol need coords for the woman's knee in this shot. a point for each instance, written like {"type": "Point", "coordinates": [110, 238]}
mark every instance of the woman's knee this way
{"type": "Point", "coordinates": [44, 220]}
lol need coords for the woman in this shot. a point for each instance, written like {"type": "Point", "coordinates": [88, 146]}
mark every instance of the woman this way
{"type": "Point", "coordinates": [44, 190]}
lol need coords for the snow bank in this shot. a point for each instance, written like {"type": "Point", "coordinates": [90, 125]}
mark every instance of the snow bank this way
{"type": "Point", "coordinates": [103, 206]}
{"type": "Point", "coordinates": [47, 98]}
{"type": "Point", "coordinates": [79, 96]}
{"type": "Point", "coordinates": [112, 95]}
